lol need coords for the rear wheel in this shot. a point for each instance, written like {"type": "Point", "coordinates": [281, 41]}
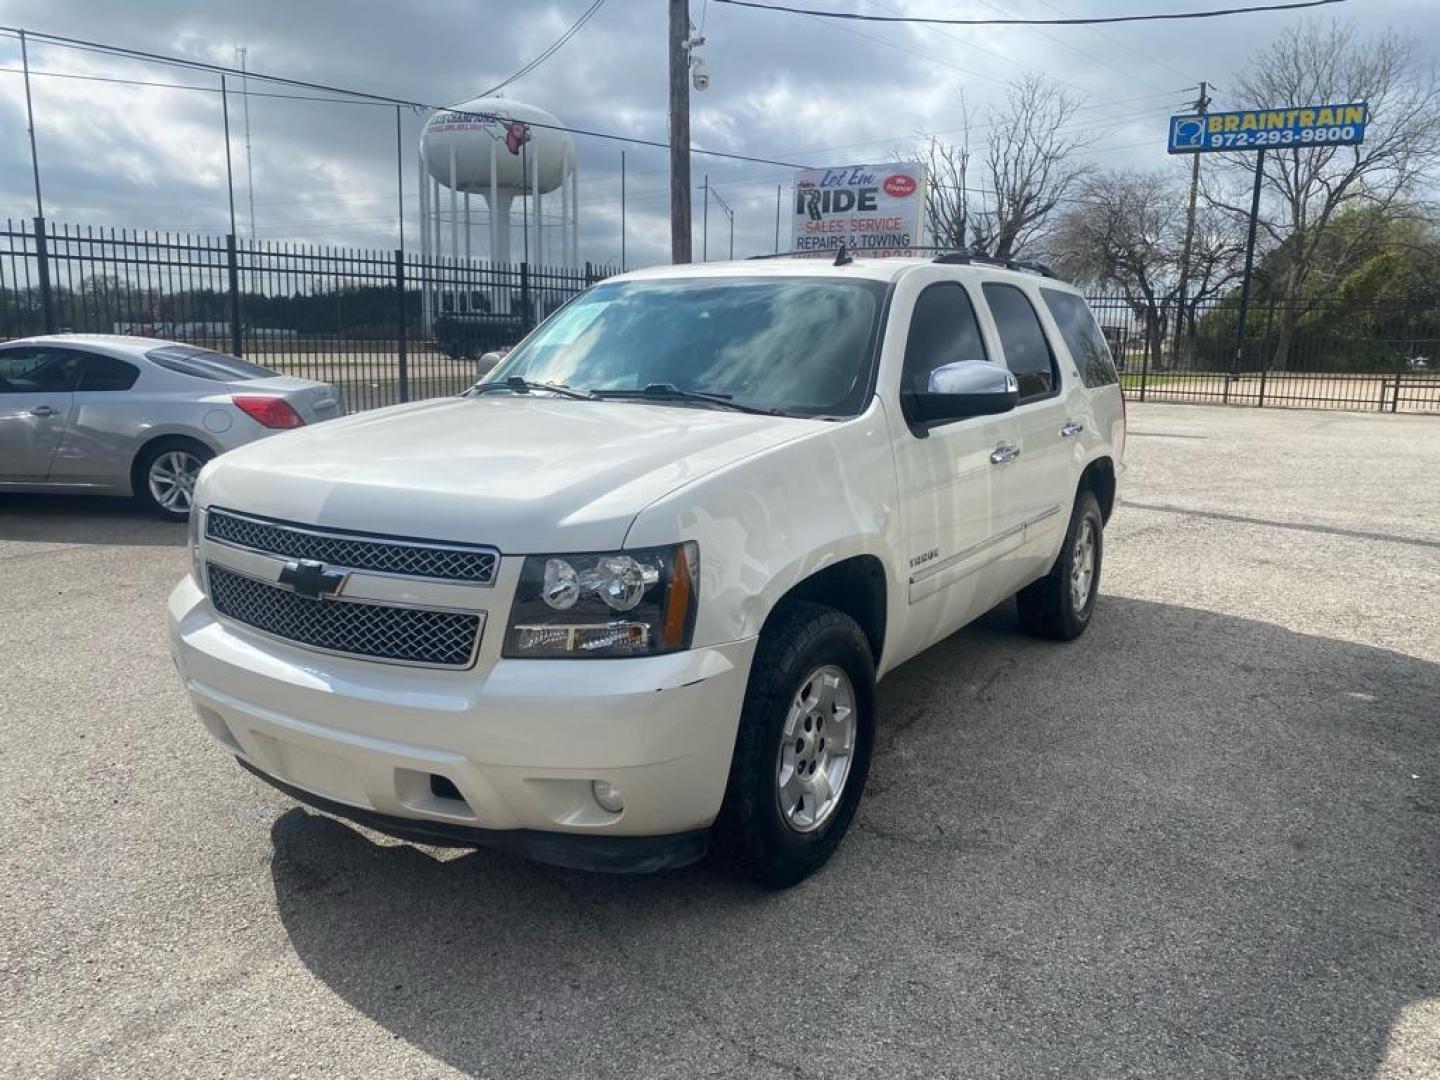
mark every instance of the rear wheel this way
{"type": "Point", "coordinates": [803, 749]}
{"type": "Point", "coordinates": [1059, 605]}
{"type": "Point", "coordinates": [165, 476]}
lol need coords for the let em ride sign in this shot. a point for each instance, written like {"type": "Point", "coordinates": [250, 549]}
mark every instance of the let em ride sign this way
{"type": "Point", "coordinates": [873, 209]}
{"type": "Point", "coordinates": [1255, 129]}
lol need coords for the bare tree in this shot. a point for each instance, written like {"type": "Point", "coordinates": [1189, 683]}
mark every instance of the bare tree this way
{"type": "Point", "coordinates": [947, 204]}
{"type": "Point", "coordinates": [1029, 166]}
{"type": "Point", "coordinates": [1000, 205]}
{"type": "Point", "coordinates": [1126, 231]}
{"type": "Point", "coordinates": [1305, 188]}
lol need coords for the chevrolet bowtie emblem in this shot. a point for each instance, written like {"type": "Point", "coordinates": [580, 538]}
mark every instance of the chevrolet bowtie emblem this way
{"type": "Point", "coordinates": [311, 578]}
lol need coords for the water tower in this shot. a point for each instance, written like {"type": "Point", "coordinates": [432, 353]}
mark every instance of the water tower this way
{"type": "Point", "coordinates": [500, 150]}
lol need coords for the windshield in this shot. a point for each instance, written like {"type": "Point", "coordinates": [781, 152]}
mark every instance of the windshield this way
{"type": "Point", "coordinates": [796, 345]}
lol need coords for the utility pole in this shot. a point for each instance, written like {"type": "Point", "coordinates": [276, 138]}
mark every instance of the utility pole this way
{"type": "Point", "coordinates": [1202, 104]}
{"type": "Point", "coordinates": [229, 174]}
{"type": "Point", "coordinates": [777, 219]}
{"type": "Point", "coordinates": [30, 126]}
{"type": "Point", "coordinates": [705, 223]}
{"type": "Point", "coordinates": [680, 242]}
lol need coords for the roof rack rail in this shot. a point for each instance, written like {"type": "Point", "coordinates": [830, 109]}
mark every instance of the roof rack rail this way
{"type": "Point", "coordinates": [947, 255]}
{"type": "Point", "coordinates": [968, 258]}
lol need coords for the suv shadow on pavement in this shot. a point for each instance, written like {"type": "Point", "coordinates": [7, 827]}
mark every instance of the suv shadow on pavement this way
{"type": "Point", "coordinates": [84, 519]}
{"type": "Point", "coordinates": [1187, 844]}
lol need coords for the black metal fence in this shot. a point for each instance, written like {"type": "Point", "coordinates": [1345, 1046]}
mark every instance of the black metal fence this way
{"type": "Point", "coordinates": [382, 326]}
{"type": "Point", "coordinates": [1319, 353]}
{"type": "Point", "coordinates": [388, 326]}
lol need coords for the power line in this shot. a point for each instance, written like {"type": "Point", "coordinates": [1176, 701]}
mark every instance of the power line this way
{"type": "Point", "coordinates": [549, 52]}
{"type": "Point", "coordinates": [369, 97]}
{"type": "Point", "coordinates": [1088, 20]}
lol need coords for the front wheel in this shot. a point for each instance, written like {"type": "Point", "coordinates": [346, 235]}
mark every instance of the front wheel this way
{"type": "Point", "coordinates": [802, 752]}
{"type": "Point", "coordinates": [1060, 604]}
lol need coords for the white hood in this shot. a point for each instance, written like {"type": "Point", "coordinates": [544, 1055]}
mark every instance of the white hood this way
{"type": "Point", "coordinates": [524, 474]}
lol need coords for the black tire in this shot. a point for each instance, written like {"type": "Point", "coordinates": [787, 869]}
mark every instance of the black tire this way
{"type": "Point", "coordinates": [751, 830]}
{"type": "Point", "coordinates": [1047, 607]}
{"type": "Point", "coordinates": [140, 477]}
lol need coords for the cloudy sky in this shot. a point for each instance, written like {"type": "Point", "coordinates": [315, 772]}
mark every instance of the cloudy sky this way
{"type": "Point", "coordinates": [787, 87]}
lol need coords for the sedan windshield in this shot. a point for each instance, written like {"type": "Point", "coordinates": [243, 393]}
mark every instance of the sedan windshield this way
{"type": "Point", "coordinates": [802, 346]}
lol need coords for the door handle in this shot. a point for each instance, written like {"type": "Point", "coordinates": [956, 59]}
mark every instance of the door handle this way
{"type": "Point", "coordinates": [44, 410]}
{"type": "Point", "coordinates": [1071, 428]}
{"type": "Point", "coordinates": [1003, 453]}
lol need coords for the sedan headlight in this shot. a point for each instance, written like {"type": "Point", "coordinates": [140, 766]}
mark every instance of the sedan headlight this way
{"type": "Point", "coordinates": [622, 603]}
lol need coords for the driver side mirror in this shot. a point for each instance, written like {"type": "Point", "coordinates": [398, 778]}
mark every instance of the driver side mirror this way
{"type": "Point", "coordinates": [961, 390]}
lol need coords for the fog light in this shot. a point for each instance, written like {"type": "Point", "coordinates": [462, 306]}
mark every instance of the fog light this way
{"type": "Point", "coordinates": [608, 796]}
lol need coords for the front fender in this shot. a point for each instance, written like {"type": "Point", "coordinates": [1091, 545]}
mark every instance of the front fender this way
{"type": "Point", "coordinates": [768, 521]}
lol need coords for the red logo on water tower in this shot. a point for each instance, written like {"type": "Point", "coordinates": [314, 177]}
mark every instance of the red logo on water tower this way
{"type": "Point", "coordinates": [899, 186]}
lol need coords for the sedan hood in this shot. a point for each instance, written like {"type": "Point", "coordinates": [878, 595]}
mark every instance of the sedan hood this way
{"type": "Point", "coordinates": [524, 474]}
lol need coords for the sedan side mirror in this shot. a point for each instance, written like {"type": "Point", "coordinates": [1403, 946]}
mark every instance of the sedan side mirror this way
{"type": "Point", "coordinates": [961, 390]}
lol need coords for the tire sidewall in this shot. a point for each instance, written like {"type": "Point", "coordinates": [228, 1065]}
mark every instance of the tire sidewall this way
{"type": "Point", "coordinates": [1086, 506]}
{"type": "Point", "coordinates": [141, 480]}
{"type": "Point", "coordinates": [792, 855]}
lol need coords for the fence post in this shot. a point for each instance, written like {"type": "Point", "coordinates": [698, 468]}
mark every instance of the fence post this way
{"type": "Point", "coordinates": [233, 260]}
{"type": "Point", "coordinates": [1144, 368]}
{"type": "Point", "coordinates": [527, 318]}
{"type": "Point", "coordinates": [403, 341]}
{"type": "Point", "coordinates": [42, 259]}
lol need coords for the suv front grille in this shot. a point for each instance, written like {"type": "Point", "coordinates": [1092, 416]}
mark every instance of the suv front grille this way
{"type": "Point", "coordinates": [409, 558]}
{"type": "Point", "coordinates": [411, 635]}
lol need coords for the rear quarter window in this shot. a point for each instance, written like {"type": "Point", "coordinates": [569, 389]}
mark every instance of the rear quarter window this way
{"type": "Point", "coordinates": [1083, 337]}
{"type": "Point", "coordinates": [207, 364]}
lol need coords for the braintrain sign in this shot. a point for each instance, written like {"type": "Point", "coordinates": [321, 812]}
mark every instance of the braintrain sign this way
{"type": "Point", "coordinates": [1255, 129]}
{"type": "Point", "coordinates": [875, 209]}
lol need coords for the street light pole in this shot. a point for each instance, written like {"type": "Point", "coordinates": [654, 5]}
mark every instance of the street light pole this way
{"type": "Point", "coordinates": [680, 241]}
{"type": "Point", "coordinates": [30, 126]}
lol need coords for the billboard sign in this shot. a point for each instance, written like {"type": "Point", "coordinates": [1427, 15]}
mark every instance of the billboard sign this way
{"type": "Point", "coordinates": [871, 209]}
{"type": "Point", "coordinates": [1254, 129]}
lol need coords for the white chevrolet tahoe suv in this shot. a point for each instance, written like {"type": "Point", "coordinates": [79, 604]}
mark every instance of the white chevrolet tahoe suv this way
{"type": "Point", "coordinates": [632, 593]}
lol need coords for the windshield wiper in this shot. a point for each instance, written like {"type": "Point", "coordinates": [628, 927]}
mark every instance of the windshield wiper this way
{"type": "Point", "coordinates": [670, 392]}
{"type": "Point", "coordinates": [517, 385]}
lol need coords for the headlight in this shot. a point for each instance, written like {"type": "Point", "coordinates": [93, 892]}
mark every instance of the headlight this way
{"type": "Point", "coordinates": [622, 603]}
{"type": "Point", "coordinates": [197, 517]}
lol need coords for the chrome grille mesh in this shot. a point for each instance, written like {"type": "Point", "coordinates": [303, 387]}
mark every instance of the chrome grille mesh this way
{"type": "Point", "coordinates": [353, 552]}
{"type": "Point", "coordinates": [440, 638]}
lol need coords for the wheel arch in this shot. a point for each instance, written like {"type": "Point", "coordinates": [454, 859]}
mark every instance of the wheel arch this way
{"type": "Point", "coordinates": [1099, 478]}
{"type": "Point", "coordinates": [855, 586]}
{"type": "Point", "coordinates": [164, 438]}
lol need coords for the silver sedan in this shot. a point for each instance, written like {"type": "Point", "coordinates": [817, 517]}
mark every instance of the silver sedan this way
{"type": "Point", "coordinates": [118, 415]}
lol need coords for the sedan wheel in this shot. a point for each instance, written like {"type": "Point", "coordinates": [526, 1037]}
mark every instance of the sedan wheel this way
{"type": "Point", "coordinates": [171, 480]}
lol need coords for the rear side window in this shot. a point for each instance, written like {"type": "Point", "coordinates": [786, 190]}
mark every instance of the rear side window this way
{"type": "Point", "coordinates": [1027, 350]}
{"type": "Point", "coordinates": [1083, 337]}
{"type": "Point", "coordinates": [38, 370]}
{"type": "Point", "coordinates": [207, 364]}
{"type": "Point", "coordinates": [943, 330]}
{"type": "Point", "coordinates": [106, 373]}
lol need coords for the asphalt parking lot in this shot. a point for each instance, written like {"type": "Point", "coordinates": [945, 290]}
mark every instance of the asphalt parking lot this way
{"type": "Point", "coordinates": [1201, 841]}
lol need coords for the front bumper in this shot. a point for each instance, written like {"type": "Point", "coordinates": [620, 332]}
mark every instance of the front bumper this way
{"type": "Point", "coordinates": [578, 851]}
{"type": "Point", "coordinates": [520, 742]}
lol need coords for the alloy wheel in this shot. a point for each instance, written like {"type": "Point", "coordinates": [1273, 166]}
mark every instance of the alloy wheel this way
{"type": "Point", "coordinates": [816, 748]}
